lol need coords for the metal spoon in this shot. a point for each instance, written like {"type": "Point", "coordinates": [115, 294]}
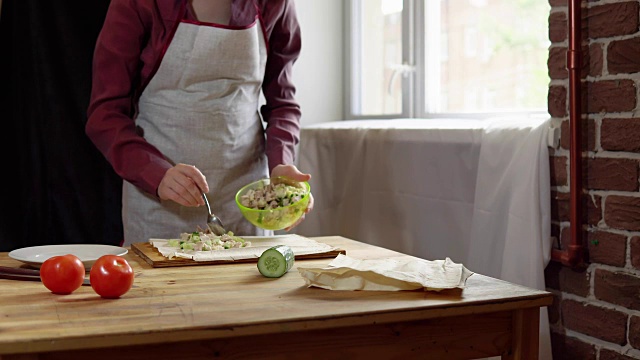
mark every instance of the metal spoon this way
{"type": "Point", "coordinates": [214, 224]}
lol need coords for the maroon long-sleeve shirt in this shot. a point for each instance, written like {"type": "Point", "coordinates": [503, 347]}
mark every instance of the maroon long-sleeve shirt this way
{"type": "Point", "coordinates": [128, 51]}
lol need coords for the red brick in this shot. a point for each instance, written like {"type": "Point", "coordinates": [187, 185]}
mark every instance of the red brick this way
{"type": "Point", "coordinates": [620, 134]}
{"type": "Point", "coordinates": [606, 354]}
{"type": "Point", "coordinates": [602, 323]}
{"type": "Point", "coordinates": [611, 96]}
{"type": "Point", "coordinates": [554, 3]}
{"type": "Point", "coordinates": [612, 19]}
{"type": "Point", "coordinates": [622, 212]}
{"type": "Point", "coordinates": [561, 202]}
{"type": "Point", "coordinates": [564, 347]}
{"type": "Point", "coordinates": [557, 101]}
{"type": "Point", "coordinates": [567, 280]}
{"type": "Point", "coordinates": [623, 56]}
{"type": "Point", "coordinates": [634, 244]}
{"type": "Point", "coordinates": [595, 61]}
{"type": "Point", "coordinates": [588, 136]}
{"type": "Point", "coordinates": [558, 26]}
{"type": "Point", "coordinates": [608, 19]}
{"type": "Point", "coordinates": [594, 209]}
{"type": "Point", "coordinates": [558, 167]}
{"type": "Point", "coordinates": [565, 240]}
{"type": "Point", "coordinates": [634, 332]}
{"type": "Point", "coordinates": [560, 206]}
{"type": "Point", "coordinates": [557, 63]}
{"type": "Point", "coordinates": [617, 288]}
{"type": "Point", "coordinates": [612, 174]}
{"type": "Point", "coordinates": [607, 248]}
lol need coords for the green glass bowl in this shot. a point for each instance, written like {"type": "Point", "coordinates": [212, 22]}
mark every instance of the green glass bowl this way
{"type": "Point", "coordinates": [278, 218]}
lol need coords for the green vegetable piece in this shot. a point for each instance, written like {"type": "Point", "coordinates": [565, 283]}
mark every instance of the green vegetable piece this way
{"type": "Point", "coordinates": [276, 261]}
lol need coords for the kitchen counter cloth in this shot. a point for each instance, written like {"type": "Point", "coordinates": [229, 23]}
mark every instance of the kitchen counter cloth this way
{"type": "Point", "coordinates": [346, 273]}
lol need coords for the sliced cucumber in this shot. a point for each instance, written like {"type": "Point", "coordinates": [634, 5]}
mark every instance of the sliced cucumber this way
{"type": "Point", "coordinates": [276, 261]}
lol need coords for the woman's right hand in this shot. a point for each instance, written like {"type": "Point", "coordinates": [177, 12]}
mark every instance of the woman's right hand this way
{"type": "Point", "coordinates": [183, 184]}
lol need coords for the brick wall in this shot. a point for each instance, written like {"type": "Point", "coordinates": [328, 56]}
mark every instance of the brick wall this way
{"type": "Point", "coordinates": [596, 313]}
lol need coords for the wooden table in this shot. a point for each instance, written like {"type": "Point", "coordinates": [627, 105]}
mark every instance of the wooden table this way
{"type": "Point", "coordinates": [231, 311]}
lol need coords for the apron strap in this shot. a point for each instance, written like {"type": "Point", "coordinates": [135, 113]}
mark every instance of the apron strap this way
{"type": "Point", "coordinates": [181, 14]}
{"type": "Point", "coordinates": [261, 23]}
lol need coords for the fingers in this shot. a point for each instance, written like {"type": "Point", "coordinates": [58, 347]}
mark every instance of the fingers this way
{"type": "Point", "coordinates": [295, 224]}
{"type": "Point", "coordinates": [195, 176]}
{"type": "Point", "coordinates": [306, 211]}
{"type": "Point", "coordinates": [310, 206]}
{"type": "Point", "coordinates": [290, 171]}
{"type": "Point", "coordinates": [183, 184]}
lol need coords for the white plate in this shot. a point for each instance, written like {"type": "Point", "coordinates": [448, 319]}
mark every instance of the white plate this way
{"type": "Point", "coordinates": [88, 253]}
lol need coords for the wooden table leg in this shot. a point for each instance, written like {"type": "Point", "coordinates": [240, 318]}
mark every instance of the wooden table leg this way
{"type": "Point", "coordinates": [525, 335]}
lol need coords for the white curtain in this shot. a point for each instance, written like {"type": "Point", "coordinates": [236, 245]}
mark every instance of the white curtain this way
{"type": "Point", "coordinates": [476, 191]}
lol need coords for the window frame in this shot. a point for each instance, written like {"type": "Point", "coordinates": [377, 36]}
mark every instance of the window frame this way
{"type": "Point", "coordinates": [414, 54]}
{"type": "Point", "coordinates": [408, 86]}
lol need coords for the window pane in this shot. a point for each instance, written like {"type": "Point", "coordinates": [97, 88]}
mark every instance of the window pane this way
{"type": "Point", "coordinates": [486, 55]}
{"type": "Point", "coordinates": [377, 77]}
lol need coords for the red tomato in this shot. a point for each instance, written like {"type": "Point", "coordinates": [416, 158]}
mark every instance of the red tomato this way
{"type": "Point", "coordinates": [111, 276]}
{"type": "Point", "coordinates": [62, 274]}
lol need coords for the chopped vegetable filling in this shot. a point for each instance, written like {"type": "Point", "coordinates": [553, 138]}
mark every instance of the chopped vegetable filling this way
{"type": "Point", "coordinates": [206, 241]}
{"type": "Point", "coordinates": [272, 196]}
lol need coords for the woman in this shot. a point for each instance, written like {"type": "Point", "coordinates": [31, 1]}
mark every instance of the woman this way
{"type": "Point", "coordinates": [175, 107]}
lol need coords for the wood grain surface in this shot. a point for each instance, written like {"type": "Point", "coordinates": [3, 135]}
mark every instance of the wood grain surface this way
{"type": "Point", "coordinates": [230, 310]}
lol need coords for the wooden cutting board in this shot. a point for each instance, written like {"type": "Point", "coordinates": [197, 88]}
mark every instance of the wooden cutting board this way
{"type": "Point", "coordinates": [154, 258]}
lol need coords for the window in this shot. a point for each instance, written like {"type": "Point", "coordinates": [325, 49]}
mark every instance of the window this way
{"type": "Point", "coordinates": [431, 58]}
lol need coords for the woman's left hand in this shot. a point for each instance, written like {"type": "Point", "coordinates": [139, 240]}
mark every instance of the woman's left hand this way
{"type": "Point", "coordinates": [292, 172]}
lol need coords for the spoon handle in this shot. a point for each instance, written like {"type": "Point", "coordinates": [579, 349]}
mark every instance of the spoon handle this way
{"type": "Point", "coordinates": [206, 202]}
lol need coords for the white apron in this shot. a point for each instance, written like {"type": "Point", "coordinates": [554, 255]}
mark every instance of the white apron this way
{"type": "Point", "coordinates": [201, 108]}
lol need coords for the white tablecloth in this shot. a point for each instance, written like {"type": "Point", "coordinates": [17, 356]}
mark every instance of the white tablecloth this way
{"type": "Point", "coordinates": [476, 191]}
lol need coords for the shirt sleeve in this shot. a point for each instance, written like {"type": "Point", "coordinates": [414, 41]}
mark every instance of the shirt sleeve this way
{"type": "Point", "coordinates": [281, 112]}
{"type": "Point", "coordinates": [116, 76]}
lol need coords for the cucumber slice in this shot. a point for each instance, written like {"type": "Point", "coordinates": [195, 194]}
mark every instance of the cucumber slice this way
{"type": "Point", "coordinates": [276, 261]}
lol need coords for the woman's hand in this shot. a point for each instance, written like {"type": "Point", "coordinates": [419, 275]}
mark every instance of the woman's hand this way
{"type": "Point", "coordinates": [183, 184]}
{"type": "Point", "coordinates": [292, 172]}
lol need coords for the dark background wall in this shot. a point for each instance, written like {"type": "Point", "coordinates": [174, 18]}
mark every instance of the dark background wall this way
{"type": "Point", "coordinates": [60, 189]}
{"type": "Point", "coordinates": [596, 314]}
